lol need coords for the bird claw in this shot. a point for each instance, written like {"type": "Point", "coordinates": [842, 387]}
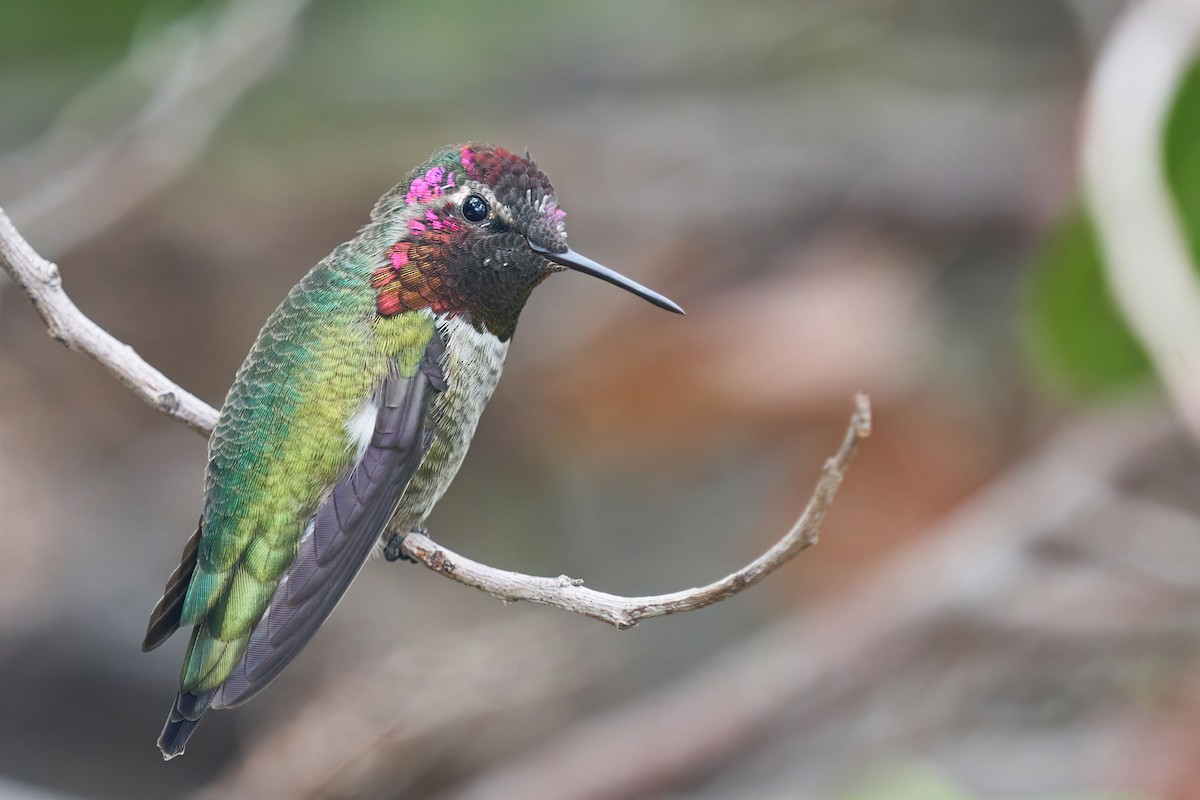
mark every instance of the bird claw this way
{"type": "Point", "coordinates": [394, 549]}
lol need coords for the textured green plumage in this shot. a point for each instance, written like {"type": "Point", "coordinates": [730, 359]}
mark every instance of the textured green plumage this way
{"type": "Point", "coordinates": [353, 412]}
{"type": "Point", "coordinates": [282, 442]}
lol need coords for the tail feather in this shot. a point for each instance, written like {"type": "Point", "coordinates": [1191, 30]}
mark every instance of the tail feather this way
{"type": "Point", "coordinates": [164, 620]}
{"type": "Point", "coordinates": [185, 715]}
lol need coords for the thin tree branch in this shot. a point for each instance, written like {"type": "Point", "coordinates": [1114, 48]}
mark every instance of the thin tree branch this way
{"type": "Point", "coordinates": [41, 282]}
{"type": "Point", "coordinates": [625, 612]}
{"type": "Point", "coordinates": [977, 561]}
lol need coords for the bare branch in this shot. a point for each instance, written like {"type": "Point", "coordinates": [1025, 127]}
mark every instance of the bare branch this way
{"type": "Point", "coordinates": [625, 612]}
{"type": "Point", "coordinates": [40, 280]}
{"type": "Point", "coordinates": [978, 560]}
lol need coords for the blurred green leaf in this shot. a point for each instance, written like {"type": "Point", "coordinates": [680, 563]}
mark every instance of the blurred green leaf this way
{"type": "Point", "coordinates": [1072, 324]}
{"type": "Point", "coordinates": [1181, 157]}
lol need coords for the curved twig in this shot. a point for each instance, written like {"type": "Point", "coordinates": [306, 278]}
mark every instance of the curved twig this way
{"type": "Point", "coordinates": [625, 612]}
{"type": "Point", "coordinates": [40, 281]}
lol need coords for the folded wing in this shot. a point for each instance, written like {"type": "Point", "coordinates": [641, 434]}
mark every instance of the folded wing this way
{"type": "Point", "coordinates": [341, 534]}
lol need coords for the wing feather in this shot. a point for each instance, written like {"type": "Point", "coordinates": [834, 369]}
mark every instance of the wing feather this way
{"type": "Point", "coordinates": [164, 619]}
{"type": "Point", "coordinates": [342, 532]}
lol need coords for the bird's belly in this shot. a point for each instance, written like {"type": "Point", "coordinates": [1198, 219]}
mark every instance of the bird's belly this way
{"type": "Point", "coordinates": [473, 365]}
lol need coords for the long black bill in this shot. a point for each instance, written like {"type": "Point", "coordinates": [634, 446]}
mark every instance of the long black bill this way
{"type": "Point", "coordinates": [569, 258]}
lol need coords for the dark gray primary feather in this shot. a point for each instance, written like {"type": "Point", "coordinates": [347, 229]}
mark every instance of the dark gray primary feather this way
{"type": "Point", "coordinates": [343, 531]}
{"type": "Point", "coordinates": [185, 715]}
{"type": "Point", "coordinates": [164, 619]}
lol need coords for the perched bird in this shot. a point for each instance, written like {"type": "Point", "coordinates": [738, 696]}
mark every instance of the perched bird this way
{"type": "Point", "coordinates": [353, 410]}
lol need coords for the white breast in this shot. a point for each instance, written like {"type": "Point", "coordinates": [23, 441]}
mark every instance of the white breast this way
{"type": "Point", "coordinates": [472, 367]}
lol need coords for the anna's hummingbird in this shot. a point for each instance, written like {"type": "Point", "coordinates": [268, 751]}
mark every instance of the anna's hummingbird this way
{"type": "Point", "coordinates": [353, 410]}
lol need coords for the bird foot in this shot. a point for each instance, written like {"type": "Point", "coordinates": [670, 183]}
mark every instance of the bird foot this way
{"type": "Point", "coordinates": [394, 549]}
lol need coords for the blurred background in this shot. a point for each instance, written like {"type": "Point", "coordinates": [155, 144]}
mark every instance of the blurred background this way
{"type": "Point", "coordinates": [845, 194]}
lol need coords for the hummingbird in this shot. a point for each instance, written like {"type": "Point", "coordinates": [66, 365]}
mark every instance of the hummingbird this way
{"type": "Point", "coordinates": [352, 413]}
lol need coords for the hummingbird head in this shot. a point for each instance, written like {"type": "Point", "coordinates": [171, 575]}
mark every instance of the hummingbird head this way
{"type": "Point", "coordinates": [480, 228]}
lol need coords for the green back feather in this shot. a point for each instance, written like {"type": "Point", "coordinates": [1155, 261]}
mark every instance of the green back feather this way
{"type": "Point", "coordinates": [281, 443]}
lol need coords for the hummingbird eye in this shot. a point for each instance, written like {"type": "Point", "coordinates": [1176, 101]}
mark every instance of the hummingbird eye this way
{"type": "Point", "coordinates": [474, 208]}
